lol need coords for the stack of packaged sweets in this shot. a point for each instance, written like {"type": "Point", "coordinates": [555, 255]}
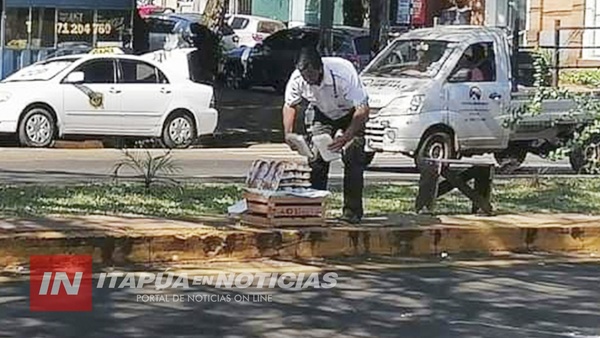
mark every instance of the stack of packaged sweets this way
{"type": "Point", "coordinates": [283, 176]}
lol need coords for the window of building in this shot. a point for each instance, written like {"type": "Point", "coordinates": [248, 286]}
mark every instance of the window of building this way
{"type": "Point", "coordinates": [43, 27]}
{"type": "Point", "coordinates": [39, 28]}
{"type": "Point", "coordinates": [111, 25]}
{"type": "Point", "coordinates": [30, 27]}
{"type": "Point", "coordinates": [591, 37]}
{"type": "Point", "coordinates": [17, 28]}
{"type": "Point", "coordinates": [75, 26]}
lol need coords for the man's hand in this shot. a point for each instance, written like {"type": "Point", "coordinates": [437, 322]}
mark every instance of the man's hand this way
{"type": "Point", "coordinates": [339, 143]}
{"type": "Point", "coordinates": [290, 143]}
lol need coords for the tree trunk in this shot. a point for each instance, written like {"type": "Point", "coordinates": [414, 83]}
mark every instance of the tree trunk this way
{"type": "Point", "coordinates": [375, 25]}
{"type": "Point", "coordinates": [354, 13]}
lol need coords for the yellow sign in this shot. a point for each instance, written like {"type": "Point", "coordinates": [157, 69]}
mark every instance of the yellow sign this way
{"type": "Point", "coordinates": [107, 50]}
{"type": "Point", "coordinates": [66, 28]}
{"type": "Point", "coordinates": [96, 99]}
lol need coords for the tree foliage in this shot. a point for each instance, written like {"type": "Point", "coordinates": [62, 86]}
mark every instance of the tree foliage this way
{"type": "Point", "coordinates": [354, 13]}
{"type": "Point", "coordinates": [585, 110]}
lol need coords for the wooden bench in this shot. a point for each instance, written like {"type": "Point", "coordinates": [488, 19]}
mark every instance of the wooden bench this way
{"type": "Point", "coordinates": [455, 174]}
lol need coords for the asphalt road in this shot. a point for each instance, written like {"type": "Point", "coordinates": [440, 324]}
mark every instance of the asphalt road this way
{"type": "Point", "coordinates": [249, 128]}
{"type": "Point", "coordinates": [535, 301]}
{"type": "Point", "coordinates": [20, 165]}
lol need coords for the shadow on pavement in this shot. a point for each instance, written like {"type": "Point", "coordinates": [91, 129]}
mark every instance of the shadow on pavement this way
{"type": "Point", "coordinates": [523, 171]}
{"type": "Point", "coordinates": [54, 176]}
{"type": "Point", "coordinates": [526, 301]}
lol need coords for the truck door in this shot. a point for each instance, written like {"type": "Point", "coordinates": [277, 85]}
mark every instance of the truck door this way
{"type": "Point", "coordinates": [478, 94]}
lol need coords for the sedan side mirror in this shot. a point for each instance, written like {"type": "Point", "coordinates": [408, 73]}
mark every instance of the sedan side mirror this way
{"type": "Point", "coordinates": [75, 77]}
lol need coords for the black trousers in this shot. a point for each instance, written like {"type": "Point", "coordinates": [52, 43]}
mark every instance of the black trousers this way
{"type": "Point", "coordinates": [354, 159]}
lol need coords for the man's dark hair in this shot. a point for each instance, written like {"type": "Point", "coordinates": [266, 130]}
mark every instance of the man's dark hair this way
{"type": "Point", "coordinates": [309, 57]}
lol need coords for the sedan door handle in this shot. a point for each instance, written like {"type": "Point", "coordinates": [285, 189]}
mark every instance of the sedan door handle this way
{"type": "Point", "coordinates": [114, 91]}
{"type": "Point", "coordinates": [495, 96]}
{"type": "Point", "coordinates": [165, 91]}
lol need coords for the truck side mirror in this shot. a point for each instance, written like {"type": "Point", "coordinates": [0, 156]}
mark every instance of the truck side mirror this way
{"type": "Point", "coordinates": [462, 75]}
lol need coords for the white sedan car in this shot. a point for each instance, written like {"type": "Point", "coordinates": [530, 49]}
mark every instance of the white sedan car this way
{"type": "Point", "coordinates": [106, 96]}
{"type": "Point", "coordinates": [252, 30]}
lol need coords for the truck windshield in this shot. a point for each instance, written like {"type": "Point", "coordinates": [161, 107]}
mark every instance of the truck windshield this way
{"type": "Point", "coordinates": [411, 58]}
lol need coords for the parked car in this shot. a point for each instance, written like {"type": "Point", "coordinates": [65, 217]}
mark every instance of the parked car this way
{"type": "Point", "coordinates": [98, 96]}
{"type": "Point", "coordinates": [146, 10]}
{"type": "Point", "coordinates": [272, 62]}
{"type": "Point", "coordinates": [253, 29]}
{"type": "Point", "coordinates": [446, 92]}
{"type": "Point", "coordinates": [178, 27]}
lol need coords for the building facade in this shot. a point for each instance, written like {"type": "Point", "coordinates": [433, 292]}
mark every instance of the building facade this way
{"type": "Point", "coordinates": [31, 30]}
{"type": "Point", "coordinates": [580, 15]}
{"type": "Point", "coordinates": [295, 11]}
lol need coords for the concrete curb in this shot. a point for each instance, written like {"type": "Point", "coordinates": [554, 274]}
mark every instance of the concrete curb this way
{"type": "Point", "coordinates": [153, 245]}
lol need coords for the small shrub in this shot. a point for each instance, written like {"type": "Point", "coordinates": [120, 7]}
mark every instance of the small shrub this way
{"type": "Point", "coordinates": [152, 169]}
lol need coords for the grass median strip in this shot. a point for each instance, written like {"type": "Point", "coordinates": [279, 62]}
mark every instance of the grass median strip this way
{"type": "Point", "coordinates": [190, 200]}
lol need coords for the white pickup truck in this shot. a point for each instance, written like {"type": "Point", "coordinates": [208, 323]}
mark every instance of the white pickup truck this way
{"type": "Point", "coordinates": [445, 92]}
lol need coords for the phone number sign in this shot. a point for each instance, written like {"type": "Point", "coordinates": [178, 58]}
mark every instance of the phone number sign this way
{"type": "Point", "coordinates": [66, 28]}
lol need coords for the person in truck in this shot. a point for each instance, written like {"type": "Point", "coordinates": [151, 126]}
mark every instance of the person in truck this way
{"type": "Point", "coordinates": [477, 63]}
{"type": "Point", "coordinates": [340, 102]}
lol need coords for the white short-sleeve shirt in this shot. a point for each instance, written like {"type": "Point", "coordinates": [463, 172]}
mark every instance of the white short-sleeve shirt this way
{"type": "Point", "coordinates": [339, 92]}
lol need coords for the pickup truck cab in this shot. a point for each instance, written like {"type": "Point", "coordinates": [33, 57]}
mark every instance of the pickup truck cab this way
{"type": "Point", "coordinates": [446, 92]}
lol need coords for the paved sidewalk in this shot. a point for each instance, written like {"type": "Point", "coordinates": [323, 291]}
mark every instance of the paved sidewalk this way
{"type": "Point", "coordinates": [150, 240]}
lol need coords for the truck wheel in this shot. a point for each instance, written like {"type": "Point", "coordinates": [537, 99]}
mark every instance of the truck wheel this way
{"type": "Point", "coordinates": [37, 128]}
{"type": "Point", "coordinates": [584, 160]}
{"type": "Point", "coordinates": [510, 159]}
{"type": "Point", "coordinates": [179, 131]}
{"type": "Point", "coordinates": [437, 145]}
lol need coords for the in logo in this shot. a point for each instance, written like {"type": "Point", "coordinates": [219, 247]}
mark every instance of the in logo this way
{"type": "Point", "coordinates": [475, 93]}
{"type": "Point", "coordinates": [60, 283]}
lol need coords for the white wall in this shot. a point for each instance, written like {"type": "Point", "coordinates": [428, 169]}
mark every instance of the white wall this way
{"type": "Point", "coordinates": [591, 37]}
{"type": "Point", "coordinates": [496, 13]}
{"type": "Point", "coordinates": [297, 10]}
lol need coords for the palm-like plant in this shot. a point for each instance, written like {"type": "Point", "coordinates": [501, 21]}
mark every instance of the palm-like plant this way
{"type": "Point", "coordinates": [152, 169]}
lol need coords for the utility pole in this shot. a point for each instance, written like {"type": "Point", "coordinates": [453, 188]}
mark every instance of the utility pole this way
{"type": "Point", "coordinates": [3, 36]}
{"type": "Point", "coordinates": [379, 24]}
{"type": "Point", "coordinates": [326, 24]}
{"type": "Point", "coordinates": [375, 24]}
{"type": "Point", "coordinates": [385, 24]}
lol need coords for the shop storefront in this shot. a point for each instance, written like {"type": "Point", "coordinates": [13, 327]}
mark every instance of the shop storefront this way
{"type": "Point", "coordinates": [33, 30]}
{"type": "Point", "coordinates": [423, 13]}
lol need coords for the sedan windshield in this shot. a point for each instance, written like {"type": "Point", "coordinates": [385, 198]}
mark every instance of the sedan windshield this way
{"type": "Point", "coordinates": [42, 71]}
{"type": "Point", "coordinates": [411, 58]}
